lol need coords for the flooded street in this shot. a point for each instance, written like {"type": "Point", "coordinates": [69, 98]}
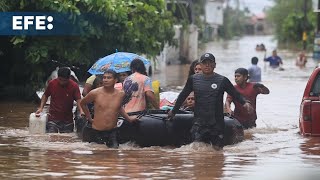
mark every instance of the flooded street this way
{"type": "Point", "coordinates": [273, 150]}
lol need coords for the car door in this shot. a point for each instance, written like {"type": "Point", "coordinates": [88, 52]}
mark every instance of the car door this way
{"type": "Point", "coordinates": [315, 105]}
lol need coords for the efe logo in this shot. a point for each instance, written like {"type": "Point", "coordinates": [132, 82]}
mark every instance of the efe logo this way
{"type": "Point", "coordinates": [39, 22]}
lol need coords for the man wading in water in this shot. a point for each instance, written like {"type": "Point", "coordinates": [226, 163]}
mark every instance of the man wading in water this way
{"type": "Point", "coordinates": [208, 87]}
{"type": "Point", "coordinates": [63, 92]}
{"type": "Point", "coordinates": [107, 106]}
{"type": "Point", "coordinates": [248, 90]}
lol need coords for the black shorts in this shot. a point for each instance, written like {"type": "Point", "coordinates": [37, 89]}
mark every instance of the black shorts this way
{"type": "Point", "coordinates": [59, 127]}
{"type": "Point", "coordinates": [249, 124]}
{"type": "Point", "coordinates": [207, 134]}
{"type": "Point", "coordinates": [109, 138]}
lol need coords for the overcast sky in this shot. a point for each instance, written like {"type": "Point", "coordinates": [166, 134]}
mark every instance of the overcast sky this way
{"type": "Point", "coordinates": [255, 6]}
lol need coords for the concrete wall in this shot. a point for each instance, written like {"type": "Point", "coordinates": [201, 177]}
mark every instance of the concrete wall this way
{"type": "Point", "coordinates": [193, 43]}
{"type": "Point", "coordinates": [185, 52]}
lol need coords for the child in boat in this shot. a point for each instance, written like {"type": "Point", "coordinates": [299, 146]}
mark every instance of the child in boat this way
{"type": "Point", "coordinates": [105, 113]}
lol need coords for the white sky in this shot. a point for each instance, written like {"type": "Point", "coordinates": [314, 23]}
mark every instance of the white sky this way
{"type": "Point", "coordinates": [255, 6]}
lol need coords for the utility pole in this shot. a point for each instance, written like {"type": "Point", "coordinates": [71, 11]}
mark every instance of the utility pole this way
{"type": "Point", "coordinates": [304, 35]}
{"type": "Point", "coordinates": [191, 11]}
{"type": "Point", "coordinates": [318, 18]}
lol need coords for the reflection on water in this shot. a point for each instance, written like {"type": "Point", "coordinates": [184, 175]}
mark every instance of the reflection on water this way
{"type": "Point", "coordinates": [273, 150]}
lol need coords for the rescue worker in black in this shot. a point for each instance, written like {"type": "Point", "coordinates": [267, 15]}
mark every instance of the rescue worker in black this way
{"type": "Point", "coordinates": [209, 88]}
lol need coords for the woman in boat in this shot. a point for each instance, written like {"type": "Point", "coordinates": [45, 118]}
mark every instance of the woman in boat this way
{"type": "Point", "coordinates": [194, 68]}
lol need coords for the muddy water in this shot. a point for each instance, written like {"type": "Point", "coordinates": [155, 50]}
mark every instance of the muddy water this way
{"type": "Point", "coordinates": [273, 150]}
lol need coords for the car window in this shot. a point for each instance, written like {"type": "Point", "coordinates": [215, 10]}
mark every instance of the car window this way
{"type": "Point", "coordinates": [315, 91]}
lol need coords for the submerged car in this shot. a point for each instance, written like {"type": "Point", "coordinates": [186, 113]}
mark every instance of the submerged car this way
{"type": "Point", "coordinates": [309, 119]}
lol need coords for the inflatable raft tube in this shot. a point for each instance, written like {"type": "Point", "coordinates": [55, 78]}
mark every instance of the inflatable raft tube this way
{"type": "Point", "coordinates": [154, 130]}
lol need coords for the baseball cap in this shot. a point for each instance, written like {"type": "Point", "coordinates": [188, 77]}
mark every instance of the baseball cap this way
{"type": "Point", "coordinates": [207, 56]}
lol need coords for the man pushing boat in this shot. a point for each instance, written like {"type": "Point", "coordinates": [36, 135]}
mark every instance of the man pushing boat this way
{"type": "Point", "coordinates": [209, 87]}
{"type": "Point", "coordinates": [107, 106]}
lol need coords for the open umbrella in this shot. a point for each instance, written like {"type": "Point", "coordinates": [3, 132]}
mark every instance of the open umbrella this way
{"type": "Point", "coordinates": [119, 62]}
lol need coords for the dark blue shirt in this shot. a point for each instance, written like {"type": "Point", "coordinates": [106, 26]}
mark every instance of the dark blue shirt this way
{"type": "Point", "coordinates": [274, 61]}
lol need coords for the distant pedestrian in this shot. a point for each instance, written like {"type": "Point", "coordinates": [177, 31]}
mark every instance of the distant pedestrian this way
{"type": "Point", "coordinates": [274, 61]}
{"type": "Point", "coordinates": [301, 60]}
{"type": "Point", "coordinates": [254, 71]}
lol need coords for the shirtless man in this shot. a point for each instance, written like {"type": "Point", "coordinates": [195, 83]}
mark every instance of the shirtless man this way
{"type": "Point", "coordinates": [107, 106]}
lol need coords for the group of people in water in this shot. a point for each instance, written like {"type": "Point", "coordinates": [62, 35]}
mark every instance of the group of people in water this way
{"type": "Point", "coordinates": [208, 87]}
{"type": "Point", "coordinates": [107, 96]}
{"type": "Point", "coordinates": [276, 62]}
{"type": "Point", "coordinates": [108, 101]}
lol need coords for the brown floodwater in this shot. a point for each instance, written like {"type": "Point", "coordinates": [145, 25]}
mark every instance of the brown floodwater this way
{"type": "Point", "coordinates": [273, 150]}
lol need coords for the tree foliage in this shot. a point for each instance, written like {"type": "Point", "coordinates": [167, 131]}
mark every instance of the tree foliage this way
{"type": "Point", "coordinates": [233, 23]}
{"type": "Point", "coordinates": [288, 19]}
{"type": "Point", "coordinates": [139, 26]}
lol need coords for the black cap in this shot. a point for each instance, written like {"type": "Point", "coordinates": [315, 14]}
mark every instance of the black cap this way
{"type": "Point", "coordinates": [207, 56]}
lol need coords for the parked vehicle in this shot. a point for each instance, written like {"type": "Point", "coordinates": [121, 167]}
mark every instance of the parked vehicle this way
{"type": "Point", "coordinates": [309, 119]}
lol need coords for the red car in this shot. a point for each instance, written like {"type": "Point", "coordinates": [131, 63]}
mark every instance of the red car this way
{"type": "Point", "coordinates": [309, 120]}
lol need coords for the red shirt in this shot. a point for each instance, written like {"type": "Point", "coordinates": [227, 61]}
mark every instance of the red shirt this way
{"type": "Point", "coordinates": [250, 93]}
{"type": "Point", "coordinates": [62, 98]}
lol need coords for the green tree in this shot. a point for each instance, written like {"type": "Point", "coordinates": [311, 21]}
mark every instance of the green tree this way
{"type": "Point", "coordinates": [289, 22]}
{"type": "Point", "coordinates": [233, 22]}
{"type": "Point", "coordinates": [139, 26]}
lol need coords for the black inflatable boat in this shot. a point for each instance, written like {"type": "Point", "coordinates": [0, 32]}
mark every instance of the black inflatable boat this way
{"type": "Point", "coordinates": [153, 129]}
